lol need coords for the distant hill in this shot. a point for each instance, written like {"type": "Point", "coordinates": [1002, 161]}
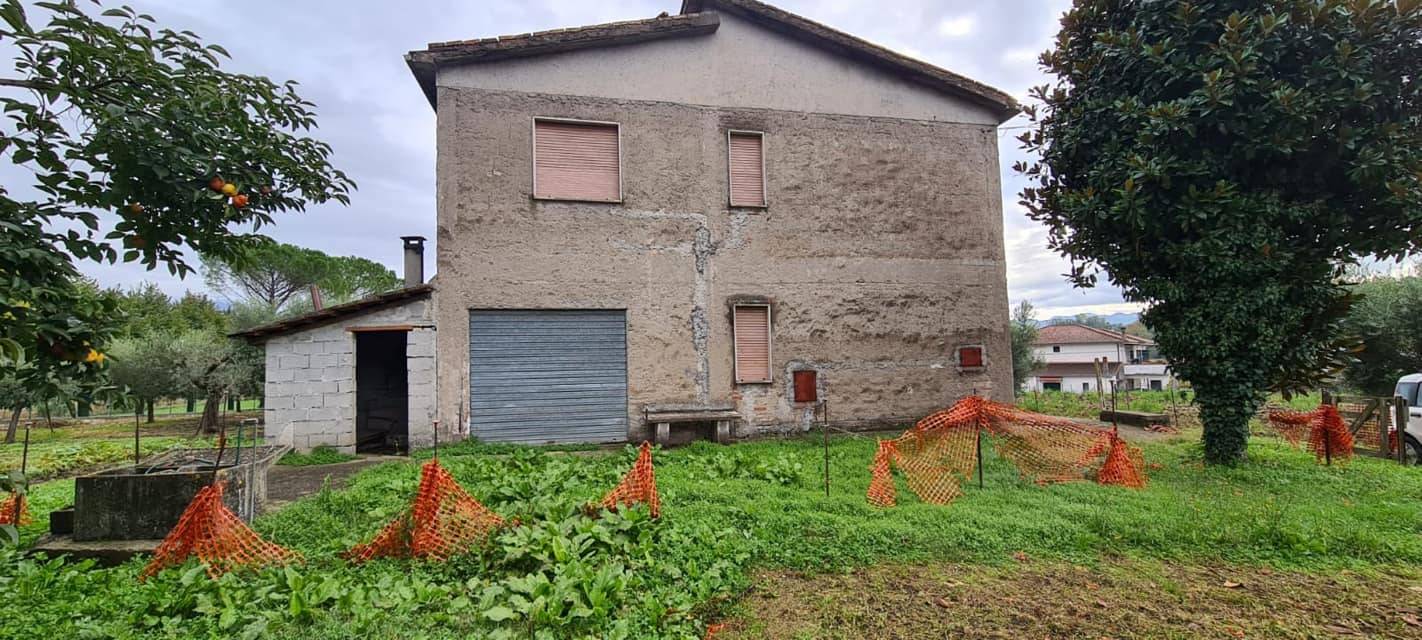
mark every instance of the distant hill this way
{"type": "Point", "coordinates": [1117, 319]}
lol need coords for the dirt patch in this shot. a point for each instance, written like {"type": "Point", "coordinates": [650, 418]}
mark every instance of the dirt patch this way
{"type": "Point", "coordinates": [285, 484]}
{"type": "Point", "coordinates": [1115, 599]}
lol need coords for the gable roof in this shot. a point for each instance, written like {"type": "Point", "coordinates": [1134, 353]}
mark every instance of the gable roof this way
{"type": "Point", "coordinates": [834, 40]}
{"type": "Point", "coordinates": [261, 333]}
{"type": "Point", "coordinates": [700, 17]}
{"type": "Point", "coordinates": [1082, 334]}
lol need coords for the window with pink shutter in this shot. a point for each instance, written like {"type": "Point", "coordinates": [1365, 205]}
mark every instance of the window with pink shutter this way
{"type": "Point", "coordinates": [575, 160]}
{"type": "Point", "coordinates": [752, 337]}
{"type": "Point", "coordinates": [747, 162]}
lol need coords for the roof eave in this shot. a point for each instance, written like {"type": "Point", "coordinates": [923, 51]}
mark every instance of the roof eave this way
{"type": "Point", "coordinates": [425, 63]}
{"type": "Point", "coordinates": [262, 333]}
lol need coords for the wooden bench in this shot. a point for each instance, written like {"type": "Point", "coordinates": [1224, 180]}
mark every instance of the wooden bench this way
{"type": "Point", "coordinates": [662, 416]}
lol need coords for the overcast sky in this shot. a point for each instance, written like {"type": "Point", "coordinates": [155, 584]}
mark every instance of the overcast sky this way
{"type": "Point", "coordinates": [347, 55]}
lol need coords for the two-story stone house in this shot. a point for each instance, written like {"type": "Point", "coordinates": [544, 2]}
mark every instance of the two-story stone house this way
{"type": "Point", "coordinates": [733, 208]}
{"type": "Point", "coordinates": [1070, 354]}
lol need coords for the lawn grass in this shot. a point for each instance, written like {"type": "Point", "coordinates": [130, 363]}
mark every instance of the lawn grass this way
{"type": "Point", "coordinates": [727, 511]}
{"type": "Point", "coordinates": [78, 446]}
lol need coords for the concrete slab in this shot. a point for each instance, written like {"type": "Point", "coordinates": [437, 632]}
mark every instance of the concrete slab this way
{"type": "Point", "coordinates": [107, 553]}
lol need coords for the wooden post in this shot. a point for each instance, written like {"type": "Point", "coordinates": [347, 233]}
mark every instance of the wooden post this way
{"type": "Point", "coordinates": [1174, 414]}
{"type": "Point", "coordinates": [1113, 405]}
{"type": "Point", "coordinates": [1384, 424]}
{"type": "Point", "coordinates": [136, 451]}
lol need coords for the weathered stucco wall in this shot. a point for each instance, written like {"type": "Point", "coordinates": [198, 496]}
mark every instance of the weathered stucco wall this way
{"type": "Point", "coordinates": [740, 65]}
{"type": "Point", "coordinates": [310, 388]}
{"type": "Point", "coordinates": [881, 252]}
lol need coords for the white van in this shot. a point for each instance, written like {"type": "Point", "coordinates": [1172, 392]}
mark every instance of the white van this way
{"type": "Point", "coordinates": [1410, 388]}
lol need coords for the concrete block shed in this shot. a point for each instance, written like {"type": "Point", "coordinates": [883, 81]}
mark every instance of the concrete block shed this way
{"type": "Point", "coordinates": [359, 377]}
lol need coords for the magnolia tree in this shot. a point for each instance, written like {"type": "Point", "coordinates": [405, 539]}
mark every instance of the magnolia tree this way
{"type": "Point", "coordinates": [1223, 162]}
{"type": "Point", "coordinates": [139, 145]}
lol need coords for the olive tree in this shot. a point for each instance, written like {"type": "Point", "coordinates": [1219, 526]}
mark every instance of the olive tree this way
{"type": "Point", "coordinates": [1223, 161]}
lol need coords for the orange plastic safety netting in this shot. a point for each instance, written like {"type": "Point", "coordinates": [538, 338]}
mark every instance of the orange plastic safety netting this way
{"type": "Point", "coordinates": [442, 521]}
{"type": "Point", "coordinates": [14, 510]}
{"type": "Point", "coordinates": [941, 452]}
{"type": "Point", "coordinates": [1328, 436]}
{"type": "Point", "coordinates": [216, 536]}
{"type": "Point", "coordinates": [639, 485]}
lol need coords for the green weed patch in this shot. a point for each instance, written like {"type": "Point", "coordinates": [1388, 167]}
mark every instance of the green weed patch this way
{"type": "Point", "coordinates": [562, 573]}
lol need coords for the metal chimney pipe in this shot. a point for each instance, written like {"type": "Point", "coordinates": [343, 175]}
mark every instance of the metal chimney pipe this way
{"type": "Point", "coordinates": [414, 260]}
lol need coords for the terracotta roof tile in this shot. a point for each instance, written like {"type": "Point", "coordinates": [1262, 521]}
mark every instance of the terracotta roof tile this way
{"type": "Point", "coordinates": [1082, 334]}
{"type": "Point", "coordinates": [333, 313]}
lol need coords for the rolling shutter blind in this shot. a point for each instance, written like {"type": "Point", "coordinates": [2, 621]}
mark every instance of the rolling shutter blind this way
{"type": "Point", "coordinates": [576, 161]}
{"type": "Point", "coordinates": [747, 170]}
{"type": "Point", "coordinates": [752, 337]}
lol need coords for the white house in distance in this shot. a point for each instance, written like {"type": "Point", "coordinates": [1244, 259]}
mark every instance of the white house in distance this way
{"type": "Point", "coordinates": [1070, 351]}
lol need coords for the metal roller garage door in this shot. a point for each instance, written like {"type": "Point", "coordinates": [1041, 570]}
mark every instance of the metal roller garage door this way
{"type": "Point", "coordinates": [548, 376]}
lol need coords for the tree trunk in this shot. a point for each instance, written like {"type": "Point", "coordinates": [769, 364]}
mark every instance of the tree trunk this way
{"type": "Point", "coordinates": [208, 423]}
{"type": "Point", "coordinates": [150, 411]}
{"type": "Point", "coordinates": [1225, 414]}
{"type": "Point", "coordinates": [14, 424]}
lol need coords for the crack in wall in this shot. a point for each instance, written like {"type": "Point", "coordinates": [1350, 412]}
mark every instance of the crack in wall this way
{"type": "Point", "coordinates": [700, 324]}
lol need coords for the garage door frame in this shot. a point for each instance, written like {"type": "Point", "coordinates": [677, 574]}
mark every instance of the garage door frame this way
{"type": "Point", "coordinates": [516, 397]}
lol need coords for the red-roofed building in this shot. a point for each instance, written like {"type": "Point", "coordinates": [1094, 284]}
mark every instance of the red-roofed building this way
{"type": "Point", "coordinates": [1071, 353]}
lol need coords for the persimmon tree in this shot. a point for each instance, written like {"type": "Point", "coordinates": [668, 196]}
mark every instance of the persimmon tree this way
{"type": "Point", "coordinates": [139, 145]}
{"type": "Point", "coordinates": [1223, 161]}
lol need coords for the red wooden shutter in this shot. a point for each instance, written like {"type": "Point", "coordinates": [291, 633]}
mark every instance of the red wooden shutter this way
{"type": "Point", "coordinates": [752, 337]}
{"type": "Point", "coordinates": [970, 356]}
{"type": "Point", "coordinates": [576, 161]}
{"type": "Point", "coordinates": [805, 386]}
{"type": "Point", "coordinates": [747, 170]}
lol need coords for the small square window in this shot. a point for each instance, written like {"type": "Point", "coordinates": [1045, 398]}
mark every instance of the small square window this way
{"type": "Point", "coordinates": [576, 160]}
{"type": "Point", "coordinates": [1056, 348]}
{"type": "Point", "coordinates": [970, 357]}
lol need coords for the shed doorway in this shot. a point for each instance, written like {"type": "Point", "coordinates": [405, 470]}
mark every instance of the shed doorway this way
{"type": "Point", "coordinates": [382, 393]}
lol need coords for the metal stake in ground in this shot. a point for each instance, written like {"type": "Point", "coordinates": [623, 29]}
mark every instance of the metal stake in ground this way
{"type": "Point", "coordinates": [980, 456]}
{"type": "Point", "coordinates": [25, 452]}
{"type": "Point", "coordinates": [136, 450]}
{"type": "Point", "coordinates": [1327, 447]}
{"type": "Point", "coordinates": [436, 439]}
{"type": "Point", "coordinates": [824, 433]}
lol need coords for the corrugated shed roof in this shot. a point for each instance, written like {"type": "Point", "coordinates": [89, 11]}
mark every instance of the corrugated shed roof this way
{"type": "Point", "coordinates": [1082, 334]}
{"type": "Point", "coordinates": [333, 313]}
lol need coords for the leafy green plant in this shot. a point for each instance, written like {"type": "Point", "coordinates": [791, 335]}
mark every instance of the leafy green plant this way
{"type": "Point", "coordinates": [559, 572]}
{"type": "Point", "coordinates": [323, 454]}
